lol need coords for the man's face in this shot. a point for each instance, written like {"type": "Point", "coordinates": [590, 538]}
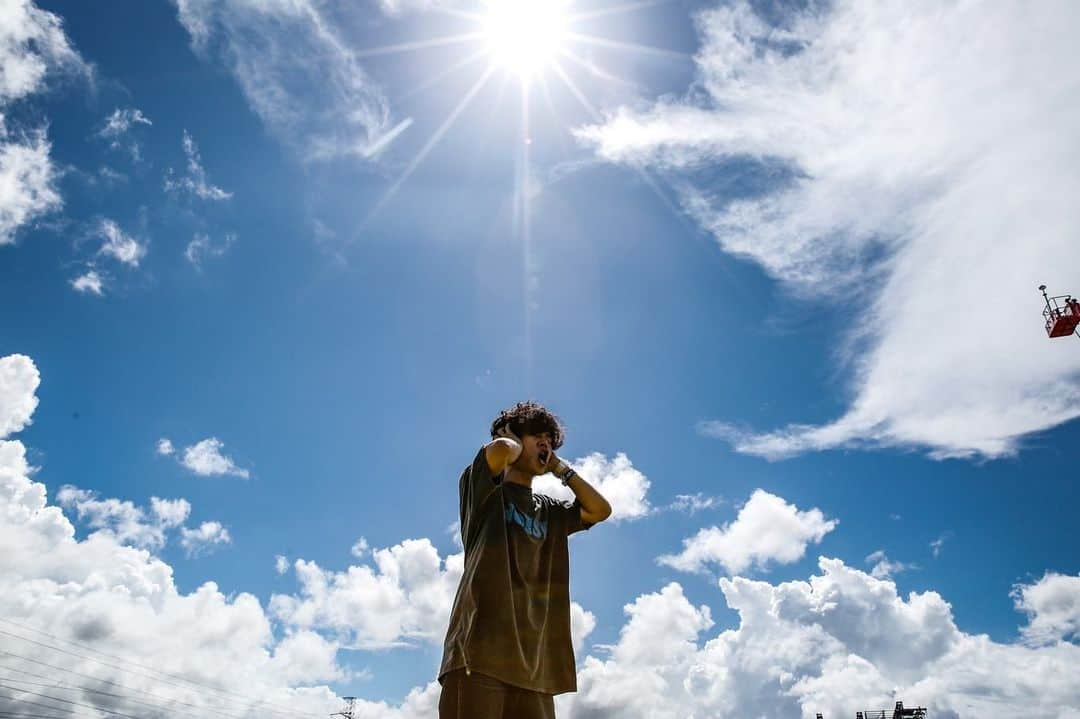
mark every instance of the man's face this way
{"type": "Point", "coordinates": [535, 453]}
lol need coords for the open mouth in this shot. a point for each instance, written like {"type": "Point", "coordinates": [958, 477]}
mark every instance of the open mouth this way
{"type": "Point", "coordinates": [543, 457]}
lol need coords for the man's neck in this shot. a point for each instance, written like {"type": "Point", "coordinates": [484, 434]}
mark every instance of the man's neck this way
{"type": "Point", "coordinates": [513, 476]}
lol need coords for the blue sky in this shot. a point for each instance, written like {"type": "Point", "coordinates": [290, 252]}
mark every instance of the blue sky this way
{"type": "Point", "coordinates": [751, 263]}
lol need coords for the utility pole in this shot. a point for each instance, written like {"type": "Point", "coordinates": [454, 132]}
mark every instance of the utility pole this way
{"type": "Point", "coordinates": [347, 712]}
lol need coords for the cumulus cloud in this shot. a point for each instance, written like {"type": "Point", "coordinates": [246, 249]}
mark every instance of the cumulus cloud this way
{"type": "Point", "coordinates": [205, 459]}
{"type": "Point", "coordinates": [623, 486]}
{"type": "Point", "coordinates": [33, 46]}
{"type": "Point", "coordinates": [1053, 607]}
{"type": "Point", "coordinates": [120, 520]}
{"type": "Point", "coordinates": [19, 380]}
{"type": "Point", "coordinates": [298, 73]}
{"type": "Point", "coordinates": [203, 539]}
{"type": "Point", "coordinates": [120, 599]}
{"type": "Point", "coordinates": [359, 549]}
{"type": "Point", "coordinates": [165, 446]}
{"type": "Point", "coordinates": [281, 564]}
{"type": "Point", "coordinates": [406, 597]}
{"type": "Point", "coordinates": [913, 158]}
{"type": "Point", "coordinates": [767, 530]}
{"type": "Point", "coordinates": [194, 182]}
{"type": "Point", "coordinates": [89, 282]}
{"type": "Point", "coordinates": [841, 641]}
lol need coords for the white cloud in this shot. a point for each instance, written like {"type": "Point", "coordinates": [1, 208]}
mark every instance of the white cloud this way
{"type": "Point", "coordinates": [122, 601]}
{"type": "Point", "coordinates": [914, 159]}
{"type": "Point", "coordinates": [89, 282]}
{"type": "Point", "coordinates": [118, 125]}
{"type": "Point", "coordinates": [839, 642]}
{"type": "Point", "coordinates": [693, 503]}
{"type": "Point", "coordinates": [127, 524]}
{"type": "Point", "coordinates": [202, 540]}
{"type": "Point", "coordinates": [1053, 607]}
{"type": "Point", "coordinates": [32, 46]}
{"type": "Point", "coordinates": [202, 247]}
{"type": "Point", "coordinates": [298, 73]}
{"type": "Point", "coordinates": [205, 459]}
{"type": "Point", "coordinates": [884, 567]}
{"type": "Point", "coordinates": [165, 446]}
{"type": "Point", "coordinates": [937, 544]}
{"type": "Point", "coordinates": [119, 245]}
{"type": "Point", "coordinates": [767, 529]}
{"type": "Point", "coordinates": [195, 181]}
{"type": "Point", "coordinates": [19, 380]}
{"type": "Point", "coordinates": [170, 512]}
{"type": "Point", "coordinates": [405, 598]}
{"type": "Point", "coordinates": [281, 564]}
{"type": "Point", "coordinates": [359, 548]}
{"type": "Point", "coordinates": [27, 180]}
{"type": "Point", "coordinates": [620, 483]}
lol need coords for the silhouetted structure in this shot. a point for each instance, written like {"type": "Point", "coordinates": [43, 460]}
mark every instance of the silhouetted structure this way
{"type": "Point", "coordinates": [347, 712]}
{"type": "Point", "coordinates": [898, 712]}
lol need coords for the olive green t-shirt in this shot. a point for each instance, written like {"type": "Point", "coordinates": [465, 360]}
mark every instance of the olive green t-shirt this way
{"type": "Point", "coordinates": [511, 615]}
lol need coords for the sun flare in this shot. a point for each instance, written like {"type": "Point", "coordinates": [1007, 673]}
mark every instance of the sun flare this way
{"type": "Point", "coordinates": [524, 36]}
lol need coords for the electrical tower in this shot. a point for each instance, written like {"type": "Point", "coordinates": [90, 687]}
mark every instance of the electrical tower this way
{"type": "Point", "coordinates": [898, 712]}
{"type": "Point", "coordinates": [347, 712]}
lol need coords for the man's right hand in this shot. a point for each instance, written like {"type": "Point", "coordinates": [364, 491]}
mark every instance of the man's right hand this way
{"type": "Point", "coordinates": [505, 449]}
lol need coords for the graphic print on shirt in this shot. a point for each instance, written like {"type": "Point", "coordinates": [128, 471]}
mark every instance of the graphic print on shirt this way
{"type": "Point", "coordinates": [533, 526]}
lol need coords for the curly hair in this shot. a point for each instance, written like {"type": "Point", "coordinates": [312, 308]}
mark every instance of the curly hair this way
{"type": "Point", "coordinates": [530, 418]}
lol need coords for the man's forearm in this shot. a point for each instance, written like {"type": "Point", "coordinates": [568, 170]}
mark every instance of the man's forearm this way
{"type": "Point", "coordinates": [591, 501]}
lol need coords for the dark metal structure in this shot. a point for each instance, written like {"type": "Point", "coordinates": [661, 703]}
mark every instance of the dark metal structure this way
{"type": "Point", "coordinates": [348, 711]}
{"type": "Point", "coordinates": [898, 712]}
{"type": "Point", "coordinates": [1061, 314]}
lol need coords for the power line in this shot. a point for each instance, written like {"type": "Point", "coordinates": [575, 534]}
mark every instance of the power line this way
{"type": "Point", "coordinates": [104, 681]}
{"type": "Point", "coordinates": [74, 687]}
{"type": "Point", "coordinates": [32, 716]}
{"type": "Point", "coordinates": [38, 716]}
{"type": "Point", "coordinates": [66, 701]}
{"type": "Point", "coordinates": [266, 706]}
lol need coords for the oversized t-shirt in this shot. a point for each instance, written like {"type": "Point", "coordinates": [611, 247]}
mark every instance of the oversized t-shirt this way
{"type": "Point", "coordinates": [511, 615]}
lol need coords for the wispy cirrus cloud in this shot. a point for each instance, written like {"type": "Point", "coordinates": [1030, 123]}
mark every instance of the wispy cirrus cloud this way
{"type": "Point", "coordinates": [298, 72]}
{"type": "Point", "coordinates": [194, 181]}
{"type": "Point", "coordinates": [201, 247]}
{"type": "Point", "coordinates": [916, 159]}
{"type": "Point", "coordinates": [117, 130]}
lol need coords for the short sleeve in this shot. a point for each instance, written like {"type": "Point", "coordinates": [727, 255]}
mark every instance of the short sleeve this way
{"type": "Point", "coordinates": [574, 522]}
{"type": "Point", "coordinates": [476, 485]}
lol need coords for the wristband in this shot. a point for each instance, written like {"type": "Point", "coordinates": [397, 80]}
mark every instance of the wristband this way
{"type": "Point", "coordinates": [567, 475]}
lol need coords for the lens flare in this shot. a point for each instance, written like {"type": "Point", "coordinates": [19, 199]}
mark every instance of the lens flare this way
{"type": "Point", "coordinates": [524, 36]}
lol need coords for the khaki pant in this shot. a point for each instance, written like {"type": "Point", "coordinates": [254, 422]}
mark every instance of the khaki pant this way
{"type": "Point", "coordinates": [476, 696]}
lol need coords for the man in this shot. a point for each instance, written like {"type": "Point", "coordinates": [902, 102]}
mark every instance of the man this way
{"type": "Point", "coordinates": [508, 651]}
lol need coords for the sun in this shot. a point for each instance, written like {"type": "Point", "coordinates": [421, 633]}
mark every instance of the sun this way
{"type": "Point", "coordinates": [524, 36]}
